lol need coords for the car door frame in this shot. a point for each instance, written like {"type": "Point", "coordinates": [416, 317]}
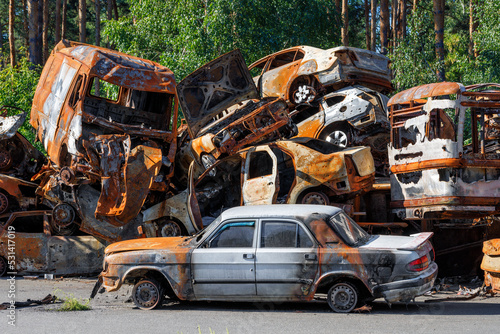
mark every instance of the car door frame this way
{"type": "Point", "coordinates": [233, 289]}
{"type": "Point", "coordinates": [271, 179]}
{"type": "Point", "coordinates": [283, 286]}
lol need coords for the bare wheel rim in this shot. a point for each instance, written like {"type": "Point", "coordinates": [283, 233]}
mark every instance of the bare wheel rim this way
{"type": "Point", "coordinates": [5, 159]}
{"type": "Point", "coordinates": [342, 297]}
{"type": "Point", "coordinates": [4, 203]}
{"type": "Point", "coordinates": [170, 229]}
{"type": "Point", "coordinates": [147, 295]}
{"type": "Point", "coordinates": [304, 94]}
{"type": "Point", "coordinates": [315, 198]}
{"type": "Point", "coordinates": [338, 137]}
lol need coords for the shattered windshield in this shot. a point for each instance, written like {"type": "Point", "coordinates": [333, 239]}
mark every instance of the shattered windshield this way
{"type": "Point", "coordinates": [352, 234]}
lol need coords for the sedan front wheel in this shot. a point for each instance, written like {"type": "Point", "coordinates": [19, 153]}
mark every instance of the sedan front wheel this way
{"type": "Point", "coordinates": [147, 294]}
{"type": "Point", "coordinates": [343, 297]}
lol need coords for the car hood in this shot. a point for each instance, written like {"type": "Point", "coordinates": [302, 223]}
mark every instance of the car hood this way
{"type": "Point", "coordinates": [412, 242]}
{"type": "Point", "coordinates": [214, 87]}
{"type": "Point", "coordinates": [10, 124]}
{"type": "Point", "coordinates": [172, 243]}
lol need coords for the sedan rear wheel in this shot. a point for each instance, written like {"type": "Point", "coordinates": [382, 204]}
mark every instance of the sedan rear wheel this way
{"type": "Point", "coordinates": [343, 297]}
{"type": "Point", "coordinates": [147, 294]}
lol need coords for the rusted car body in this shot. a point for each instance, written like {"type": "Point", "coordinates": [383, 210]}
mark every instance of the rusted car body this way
{"type": "Point", "coordinates": [16, 194]}
{"type": "Point", "coordinates": [275, 253]}
{"type": "Point", "coordinates": [18, 157]}
{"type": "Point", "coordinates": [298, 74]}
{"type": "Point", "coordinates": [107, 119]}
{"type": "Point", "coordinates": [301, 170]}
{"type": "Point", "coordinates": [29, 238]}
{"type": "Point", "coordinates": [218, 124]}
{"type": "Point", "coordinates": [435, 173]}
{"type": "Point", "coordinates": [491, 264]}
{"type": "Point", "coordinates": [351, 116]}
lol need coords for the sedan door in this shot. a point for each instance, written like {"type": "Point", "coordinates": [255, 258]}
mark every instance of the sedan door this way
{"type": "Point", "coordinates": [286, 260]}
{"type": "Point", "coordinates": [223, 266]}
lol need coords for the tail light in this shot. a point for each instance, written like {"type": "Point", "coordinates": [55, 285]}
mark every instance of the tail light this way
{"type": "Point", "coordinates": [419, 264]}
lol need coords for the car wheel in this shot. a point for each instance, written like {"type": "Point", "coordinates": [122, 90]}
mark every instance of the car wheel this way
{"type": "Point", "coordinates": [315, 197]}
{"type": "Point", "coordinates": [340, 136]}
{"type": "Point", "coordinates": [170, 228]}
{"type": "Point", "coordinates": [4, 202]}
{"type": "Point", "coordinates": [3, 266]}
{"type": "Point", "coordinates": [5, 160]}
{"type": "Point", "coordinates": [304, 94]}
{"type": "Point", "coordinates": [343, 297]}
{"type": "Point", "coordinates": [147, 294]}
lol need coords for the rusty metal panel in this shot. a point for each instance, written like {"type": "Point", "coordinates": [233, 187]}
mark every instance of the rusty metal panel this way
{"type": "Point", "coordinates": [491, 263]}
{"type": "Point", "coordinates": [215, 86]}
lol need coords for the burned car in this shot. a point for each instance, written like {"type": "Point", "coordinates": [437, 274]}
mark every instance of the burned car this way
{"type": "Point", "coordinates": [18, 157]}
{"type": "Point", "coordinates": [39, 250]}
{"type": "Point", "coordinates": [274, 254]}
{"type": "Point", "coordinates": [109, 120]}
{"type": "Point", "coordinates": [219, 123]}
{"type": "Point", "coordinates": [350, 116]}
{"type": "Point", "coordinates": [436, 172]}
{"type": "Point", "coordinates": [301, 170]}
{"type": "Point", "coordinates": [298, 74]}
{"type": "Point", "coordinates": [17, 194]}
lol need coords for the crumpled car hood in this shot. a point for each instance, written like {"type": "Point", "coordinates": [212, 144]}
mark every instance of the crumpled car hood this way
{"type": "Point", "coordinates": [214, 87]}
{"type": "Point", "coordinates": [147, 244]}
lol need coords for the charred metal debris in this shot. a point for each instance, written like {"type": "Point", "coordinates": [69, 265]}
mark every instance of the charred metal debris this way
{"type": "Point", "coordinates": [312, 126]}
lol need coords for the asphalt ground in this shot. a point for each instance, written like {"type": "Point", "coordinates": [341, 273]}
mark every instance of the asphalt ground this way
{"type": "Point", "coordinates": [116, 313]}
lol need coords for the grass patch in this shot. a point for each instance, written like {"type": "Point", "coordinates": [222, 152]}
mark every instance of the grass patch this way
{"type": "Point", "coordinates": [71, 303]}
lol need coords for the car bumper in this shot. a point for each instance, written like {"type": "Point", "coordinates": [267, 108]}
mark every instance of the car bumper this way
{"type": "Point", "coordinates": [406, 290]}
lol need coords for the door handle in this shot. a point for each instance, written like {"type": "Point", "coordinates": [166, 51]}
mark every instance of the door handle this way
{"type": "Point", "coordinates": [310, 256]}
{"type": "Point", "coordinates": [248, 256]}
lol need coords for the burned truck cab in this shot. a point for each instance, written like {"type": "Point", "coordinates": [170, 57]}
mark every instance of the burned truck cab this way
{"type": "Point", "coordinates": [444, 152]}
{"type": "Point", "coordinates": [108, 119]}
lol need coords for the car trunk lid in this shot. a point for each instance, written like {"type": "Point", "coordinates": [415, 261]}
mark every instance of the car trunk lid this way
{"type": "Point", "coordinates": [214, 87]}
{"type": "Point", "coordinates": [413, 242]}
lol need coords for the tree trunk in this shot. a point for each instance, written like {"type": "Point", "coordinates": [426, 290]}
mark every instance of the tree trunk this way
{"type": "Point", "coordinates": [97, 36]}
{"type": "Point", "coordinates": [26, 29]}
{"type": "Point", "coordinates": [394, 24]}
{"type": "Point", "coordinates": [373, 27]}
{"type": "Point", "coordinates": [415, 5]}
{"type": "Point", "coordinates": [82, 20]}
{"type": "Point", "coordinates": [345, 23]}
{"type": "Point", "coordinates": [45, 36]}
{"type": "Point", "coordinates": [33, 30]}
{"type": "Point", "coordinates": [115, 8]}
{"type": "Point", "coordinates": [109, 12]}
{"type": "Point", "coordinates": [12, 41]}
{"type": "Point", "coordinates": [384, 25]}
{"type": "Point", "coordinates": [473, 24]}
{"type": "Point", "coordinates": [367, 24]}
{"type": "Point", "coordinates": [39, 37]}
{"type": "Point", "coordinates": [58, 22]}
{"type": "Point", "coordinates": [64, 17]}
{"type": "Point", "coordinates": [2, 63]}
{"type": "Point", "coordinates": [402, 19]}
{"type": "Point", "coordinates": [439, 32]}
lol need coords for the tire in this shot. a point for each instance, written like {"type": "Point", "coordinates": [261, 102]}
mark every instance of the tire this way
{"type": "Point", "coordinates": [3, 266]}
{"type": "Point", "coordinates": [340, 136]}
{"type": "Point", "coordinates": [343, 297]}
{"type": "Point", "coordinates": [148, 294]}
{"type": "Point", "coordinates": [315, 197]}
{"type": "Point", "coordinates": [169, 228]}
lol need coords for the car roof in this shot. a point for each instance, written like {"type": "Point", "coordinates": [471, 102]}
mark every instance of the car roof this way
{"type": "Point", "coordinates": [278, 210]}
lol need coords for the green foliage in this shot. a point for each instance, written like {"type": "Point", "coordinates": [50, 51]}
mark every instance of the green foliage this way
{"type": "Point", "coordinates": [414, 60]}
{"type": "Point", "coordinates": [17, 88]}
{"type": "Point", "coordinates": [71, 303]}
{"type": "Point", "coordinates": [184, 35]}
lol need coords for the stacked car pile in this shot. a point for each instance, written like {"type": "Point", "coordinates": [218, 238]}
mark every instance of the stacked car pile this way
{"type": "Point", "coordinates": [118, 167]}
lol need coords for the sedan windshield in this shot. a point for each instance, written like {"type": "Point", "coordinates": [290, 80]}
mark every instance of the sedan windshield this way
{"type": "Point", "coordinates": [348, 230]}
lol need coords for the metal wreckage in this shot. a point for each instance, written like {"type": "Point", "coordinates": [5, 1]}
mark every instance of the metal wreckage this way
{"type": "Point", "coordinates": [312, 126]}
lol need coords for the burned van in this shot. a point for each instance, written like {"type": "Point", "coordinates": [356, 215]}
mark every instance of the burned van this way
{"type": "Point", "coordinates": [445, 151]}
